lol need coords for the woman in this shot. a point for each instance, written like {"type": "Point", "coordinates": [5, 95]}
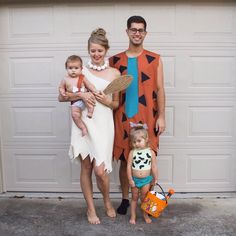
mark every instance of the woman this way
{"type": "Point", "coordinates": [95, 149]}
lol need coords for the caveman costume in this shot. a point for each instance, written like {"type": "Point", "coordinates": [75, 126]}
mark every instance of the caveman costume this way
{"type": "Point", "coordinates": [139, 105]}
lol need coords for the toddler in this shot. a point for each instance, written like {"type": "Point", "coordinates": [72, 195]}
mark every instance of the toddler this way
{"type": "Point", "coordinates": [141, 168]}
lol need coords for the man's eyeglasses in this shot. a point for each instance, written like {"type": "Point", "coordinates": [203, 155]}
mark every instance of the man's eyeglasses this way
{"type": "Point", "coordinates": [134, 31]}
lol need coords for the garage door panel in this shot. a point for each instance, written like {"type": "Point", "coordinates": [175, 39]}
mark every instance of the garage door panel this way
{"type": "Point", "coordinates": [36, 169]}
{"type": "Point", "coordinates": [188, 71]}
{"type": "Point", "coordinates": [165, 163]}
{"type": "Point", "coordinates": [27, 16]}
{"type": "Point", "coordinates": [189, 121]}
{"type": "Point", "coordinates": [169, 70]}
{"type": "Point", "coordinates": [35, 121]}
{"type": "Point", "coordinates": [164, 15]}
{"type": "Point", "coordinates": [206, 18]}
{"type": "Point", "coordinates": [199, 168]}
{"type": "Point", "coordinates": [79, 13]}
{"type": "Point", "coordinates": [211, 121]}
{"type": "Point", "coordinates": [35, 72]}
{"type": "Point", "coordinates": [210, 170]}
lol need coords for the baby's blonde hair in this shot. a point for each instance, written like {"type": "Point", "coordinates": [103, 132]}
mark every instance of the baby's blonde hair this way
{"type": "Point", "coordinates": [139, 129]}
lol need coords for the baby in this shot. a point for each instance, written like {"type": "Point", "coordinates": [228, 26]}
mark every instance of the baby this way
{"type": "Point", "coordinates": [76, 82]}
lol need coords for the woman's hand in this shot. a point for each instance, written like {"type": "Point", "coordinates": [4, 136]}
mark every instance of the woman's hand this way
{"type": "Point", "coordinates": [103, 98]}
{"type": "Point", "coordinates": [89, 98]}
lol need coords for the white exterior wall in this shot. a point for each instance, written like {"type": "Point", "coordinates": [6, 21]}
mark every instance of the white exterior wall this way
{"type": "Point", "coordinates": [197, 42]}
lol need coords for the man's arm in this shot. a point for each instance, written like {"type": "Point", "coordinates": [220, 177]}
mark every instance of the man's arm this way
{"type": "Point", "coordinates": [160, 123]}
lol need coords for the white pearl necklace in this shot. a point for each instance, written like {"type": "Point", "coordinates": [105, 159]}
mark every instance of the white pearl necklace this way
{"type": "Point", "coordinates": [94, 67]}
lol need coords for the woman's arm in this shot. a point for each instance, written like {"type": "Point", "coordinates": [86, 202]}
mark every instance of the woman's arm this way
{"type": "Point", "coordinates": [87, 97]}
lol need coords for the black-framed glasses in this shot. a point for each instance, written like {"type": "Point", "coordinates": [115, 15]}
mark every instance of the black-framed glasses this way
{"type": "Point", "coordinates": [135, 30]}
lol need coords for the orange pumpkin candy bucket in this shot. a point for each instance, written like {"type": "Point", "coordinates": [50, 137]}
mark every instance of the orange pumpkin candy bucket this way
{"type": "Point", "coordinates": [154, 203]}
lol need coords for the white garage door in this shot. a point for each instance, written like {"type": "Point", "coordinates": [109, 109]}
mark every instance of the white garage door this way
{"type": "Point", "coordinates": [197, 42]}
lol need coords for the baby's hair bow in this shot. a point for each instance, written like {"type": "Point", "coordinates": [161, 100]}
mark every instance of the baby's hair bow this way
{"type": "Point", "coordinates": [138, 125]}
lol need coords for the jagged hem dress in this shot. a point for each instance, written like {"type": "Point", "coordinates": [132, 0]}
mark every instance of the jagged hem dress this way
{"type": "Point", "coordinates": [98, 143]}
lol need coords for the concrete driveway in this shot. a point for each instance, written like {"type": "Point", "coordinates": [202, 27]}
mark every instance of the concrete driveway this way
{"type": "Point", "coordinates": [64, 216]}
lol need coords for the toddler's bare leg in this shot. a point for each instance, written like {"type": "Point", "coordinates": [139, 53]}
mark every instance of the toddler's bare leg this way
{"type": "Point", "coordinates": [90, 110]}
{"type": "Point", "coordinates": [76, 113]}
{"type": "Point", "coordinates": [134, 203]}
{"type": "Point", "coordinates": [144, 191]}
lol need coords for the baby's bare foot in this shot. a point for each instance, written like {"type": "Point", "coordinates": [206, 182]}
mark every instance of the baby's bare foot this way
{"type": "Point", "coordinates": [92, 218]}
{"type": "Point", "coordinates": [90, 115]}
{"type": "Point", "coordinates": [84, 132]}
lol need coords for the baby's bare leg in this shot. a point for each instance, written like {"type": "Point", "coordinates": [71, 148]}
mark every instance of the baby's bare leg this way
{"type": "Point", "coordinates": [90, 110]}
{"type": "Point", "coordinates": [76, 114]}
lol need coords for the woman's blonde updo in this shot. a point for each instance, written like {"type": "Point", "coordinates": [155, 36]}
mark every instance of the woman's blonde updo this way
{"type": "Point", "coordinates": [98, 36]}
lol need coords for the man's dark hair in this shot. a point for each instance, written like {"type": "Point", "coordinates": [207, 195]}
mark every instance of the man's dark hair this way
{"type": "Point", "coordinates": [136, 19]}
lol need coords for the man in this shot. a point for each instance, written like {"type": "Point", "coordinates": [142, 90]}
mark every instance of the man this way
{"type": "Point", "coordinates": [142, 102]}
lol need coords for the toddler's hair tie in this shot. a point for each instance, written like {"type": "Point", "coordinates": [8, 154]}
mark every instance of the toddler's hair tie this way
{"type": "Point", "coordinates": [138, 125]}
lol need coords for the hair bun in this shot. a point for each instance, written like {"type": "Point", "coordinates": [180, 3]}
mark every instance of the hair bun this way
{"type": "Point", "coordinates": [99, 32]}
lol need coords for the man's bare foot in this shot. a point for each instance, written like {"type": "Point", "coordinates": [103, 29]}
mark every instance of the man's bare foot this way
{"type": "Point", "coordinates": [110, 210]}
{"type": "Point", "coordinates": [147, 219]}
{"type": "Point", "coordinates": [132, 221]}
{"type": "Point", "coordinates": [92, 218]}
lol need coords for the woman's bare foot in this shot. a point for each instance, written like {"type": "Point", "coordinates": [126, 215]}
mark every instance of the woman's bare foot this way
{"type": "Point", "coordinates": [147, 219]}
{"type": "Point", "coordinates": [92, 218]}
{"type": "Point", "coordinates": [110, 210]}
{"type": "Point", "coordinates": [132, 221]}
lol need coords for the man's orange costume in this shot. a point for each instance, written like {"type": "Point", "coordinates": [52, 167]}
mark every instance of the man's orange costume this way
{"type": "Point", "coordinates": [147, 97]}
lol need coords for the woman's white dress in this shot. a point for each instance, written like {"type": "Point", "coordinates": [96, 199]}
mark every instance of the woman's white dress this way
{"type": "Point", "coordinates": [98, 143]}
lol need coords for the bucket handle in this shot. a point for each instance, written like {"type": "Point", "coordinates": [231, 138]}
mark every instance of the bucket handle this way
{"type": "Point", "coordinates": [162, 191]}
